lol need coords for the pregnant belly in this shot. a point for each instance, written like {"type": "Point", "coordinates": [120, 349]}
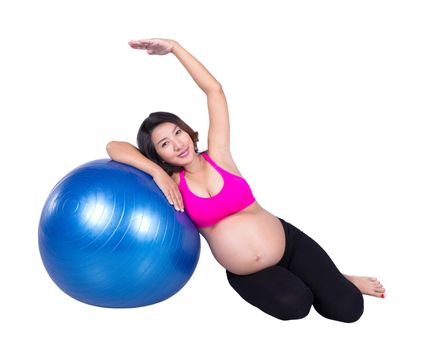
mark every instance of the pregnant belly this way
{"type": "Point", "coordinates": [247, 241]}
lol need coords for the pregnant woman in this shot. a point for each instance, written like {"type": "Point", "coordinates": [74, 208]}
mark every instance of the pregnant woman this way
{"type": "Point", "coordinates": [270, 263]}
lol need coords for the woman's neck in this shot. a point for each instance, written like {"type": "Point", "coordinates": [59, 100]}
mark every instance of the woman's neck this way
{"type": "Point", "coordinates": [197, 166]}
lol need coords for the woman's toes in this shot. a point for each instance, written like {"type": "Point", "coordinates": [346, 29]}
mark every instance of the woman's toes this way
{"type": "Point", "coordinates": [378, 294]}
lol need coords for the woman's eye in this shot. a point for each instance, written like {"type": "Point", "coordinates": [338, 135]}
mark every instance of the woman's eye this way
{"type": "Point", "coordinates": [164, 143]}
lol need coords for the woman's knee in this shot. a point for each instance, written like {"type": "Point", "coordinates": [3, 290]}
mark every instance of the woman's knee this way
{"type": "Point", "coordinates": [292, 306]}
{"type": "Point", "coordinates": [347, 308]}
{"type": "Point", "coordinates": [276, 292]}
{"type": "Point", "coordinates": [352, 308]}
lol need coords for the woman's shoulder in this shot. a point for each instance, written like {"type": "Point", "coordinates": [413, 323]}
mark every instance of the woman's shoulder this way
{"type": "Point", "coordinates": [225, 161]}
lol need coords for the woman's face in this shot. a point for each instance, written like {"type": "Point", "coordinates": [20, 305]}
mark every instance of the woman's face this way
{"type": "Point", "coordinates": [170, 141]}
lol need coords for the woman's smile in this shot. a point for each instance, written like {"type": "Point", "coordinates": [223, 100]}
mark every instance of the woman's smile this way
{"type": "Point", "coordinates": [185, 153]}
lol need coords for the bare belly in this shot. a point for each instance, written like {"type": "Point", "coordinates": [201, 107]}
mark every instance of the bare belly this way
{"type": "Point", "coordinates": [247, 241]}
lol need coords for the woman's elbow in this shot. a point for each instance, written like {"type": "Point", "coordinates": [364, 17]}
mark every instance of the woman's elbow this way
{"type": "Point", "coordinates": [215, 87]}
{"type": "Point", "coordinates": [111, 147]}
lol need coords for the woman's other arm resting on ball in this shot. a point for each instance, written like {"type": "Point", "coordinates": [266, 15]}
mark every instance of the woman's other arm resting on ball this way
{"type": "Point", "coordinates": [124, 152]}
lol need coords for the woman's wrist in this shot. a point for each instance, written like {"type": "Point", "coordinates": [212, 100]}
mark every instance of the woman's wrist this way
{"type": "Point", "coordinates": [174, 43]}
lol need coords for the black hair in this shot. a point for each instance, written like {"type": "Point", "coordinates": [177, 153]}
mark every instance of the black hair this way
{"type": "Point", "coordinates": [146, 146]}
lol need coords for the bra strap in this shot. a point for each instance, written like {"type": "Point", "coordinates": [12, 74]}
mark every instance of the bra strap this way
{"type": "Point", "coordinates": [208, 158]}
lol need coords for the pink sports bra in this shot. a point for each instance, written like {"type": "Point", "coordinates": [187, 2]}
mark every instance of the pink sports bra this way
{"type": "Point", "coordinates": [233, 197]}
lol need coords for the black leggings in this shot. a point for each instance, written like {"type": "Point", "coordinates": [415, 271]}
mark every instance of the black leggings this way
{"type": "Point", "coordinates": [305, 276]}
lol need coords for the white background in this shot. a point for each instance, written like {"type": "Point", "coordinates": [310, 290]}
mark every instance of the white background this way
{"type": "Point", "coordinates": [325, 105]}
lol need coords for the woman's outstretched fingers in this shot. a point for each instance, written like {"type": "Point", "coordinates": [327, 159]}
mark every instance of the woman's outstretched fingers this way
{"type": "Point", "coordinates": [178, 201]}
{"type": "Point", "coordinates": [154, 46]}
{"type": "Point", "coordinates": [139, 44]}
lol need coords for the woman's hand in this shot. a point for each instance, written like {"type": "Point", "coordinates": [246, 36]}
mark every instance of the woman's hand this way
{"type": "Point", "coordinates": [153, 46]}
{"type": "Point", "coordinates": [169, 187]}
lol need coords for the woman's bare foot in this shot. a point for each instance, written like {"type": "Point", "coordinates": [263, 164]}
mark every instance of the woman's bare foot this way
{"type": "Point", "coordinates": [367, 285]}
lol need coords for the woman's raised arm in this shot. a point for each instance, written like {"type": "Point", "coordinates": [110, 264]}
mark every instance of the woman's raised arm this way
{"type": "Point", "coordinates": [199, 73]}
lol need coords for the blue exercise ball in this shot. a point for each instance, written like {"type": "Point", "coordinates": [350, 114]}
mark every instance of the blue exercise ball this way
{"type": "Point", "coordinates": [109, 237]}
